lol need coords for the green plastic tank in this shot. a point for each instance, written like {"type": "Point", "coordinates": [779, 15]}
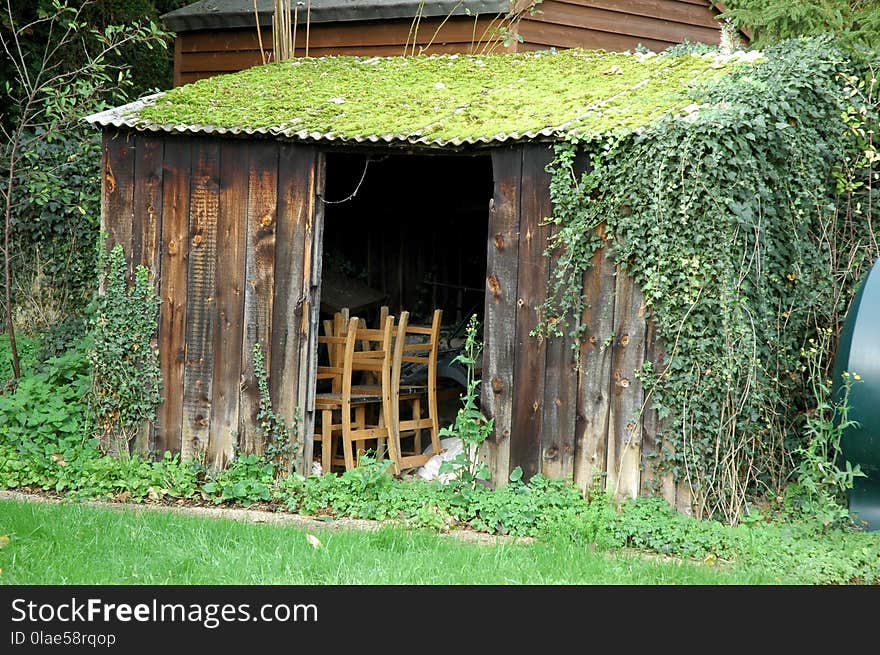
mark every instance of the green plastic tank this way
{"type": "Point", "coordinates": [859, 352]}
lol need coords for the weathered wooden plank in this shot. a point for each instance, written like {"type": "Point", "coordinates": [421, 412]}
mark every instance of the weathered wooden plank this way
{"type": "Point", "coordinates": [560, 401]}
{"type": "Point", "coordinates": [228, 306]}
{"type": "Point", "coordinates": [239, 60]}
{"type": "Point", "coordinates": [199, 363]}
{"type": "Point", "coordinates": [572, 17]}
{"type": "Point", "coordinates": [117, 197]}
{"type": "Point", "coordinates": [380, 33]}
{"type": "Point", "coordinates": [311, 318]}
{"type": "Point", "coordinates": [654, 481]}
{"type": "Point", "coordinates": [146, 235]}
{"type": "Point", "coordinates": [594, 373]}
{"type": "Point", "coordinates": [624, 423]}
{"type": "Point", "coordinates": [262, 205]}
{"type": "Point", "coordinates": [502, 263]}
{"type": "Point", "coordinates": [188, 78]}
{"type": "Point", "coordinates": [230, 62]}
{"type": "Point", "coordinates": [172, 290]}
{"type": "Point", "coordinates": [534, 271]}
{"type": "Point", "coordinates": [564, 36]}
{"type": "Point", "coordinates": [146, 227]}
{"type": "Point", "coordinates": [290, 310]}
{"type": "Point", "coordinates": [632, 16]}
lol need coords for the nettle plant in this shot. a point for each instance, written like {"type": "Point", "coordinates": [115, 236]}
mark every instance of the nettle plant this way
{"type": "Point", "coordinates": [747, 223]}
{"type": "Point", "coordinates": [471, 427]}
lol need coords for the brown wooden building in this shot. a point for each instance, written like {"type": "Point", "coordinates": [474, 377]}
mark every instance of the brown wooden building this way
{"type": "Point", "coordinates": [220, 36]}
{"type": "Point", "coordinates": [236, 218]}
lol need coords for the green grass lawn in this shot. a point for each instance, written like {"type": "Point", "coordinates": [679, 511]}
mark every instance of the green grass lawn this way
{"type": "Point", "coordinates": [71, 543]}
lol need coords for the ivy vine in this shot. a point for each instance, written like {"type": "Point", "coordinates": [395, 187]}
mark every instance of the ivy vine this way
{"type": "Point", "coordinates": [747, 224]}
{"type": "Point", "coordinates": [124, 358]}
{"type": "Point", "coordinates": [282, 441]}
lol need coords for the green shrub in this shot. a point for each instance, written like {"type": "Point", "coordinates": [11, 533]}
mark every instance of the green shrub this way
{"type": "Point", "coordinates": [246, 481]}
{"type": "Point", "coordinates": [44, 421]}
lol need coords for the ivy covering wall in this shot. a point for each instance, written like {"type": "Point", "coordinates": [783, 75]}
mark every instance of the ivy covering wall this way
{"type": "Point", "coordinates": [747, 220]}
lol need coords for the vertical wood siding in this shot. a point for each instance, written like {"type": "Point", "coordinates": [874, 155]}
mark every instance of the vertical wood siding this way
{"type": "Point", "coordinates": [558, 442]}
{"type": "Point", "coordinates": [533, 270]}
{"type": "Point", "coordinates": [297, 178]}
{"type": "Point", "coordinates": [117, 191]}
{"type": "Point", "coordinates": [259, 287]}
{"type": "Point", "coordinates": [198, 373]}
{"type": "Point", "coordinates": [585, 418]}
{"type": "Point", "coordinates": [228, 305]}
{"type": "Point", "coordinates": [594, 374]}
{"type": "Point", "coordinates": [173, 290]}
{"type": "Point", "coordinates": [145, 232]}
{"type": "Point", "coordinates": [231, 233]}
{"type": "Point", "coordinates": [624, 422]}
{"type": "Point", "coordinates": [502, 266]}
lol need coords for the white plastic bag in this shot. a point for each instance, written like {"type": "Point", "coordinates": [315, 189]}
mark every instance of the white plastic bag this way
{"type": "Point", "coordinates": [451, 448]}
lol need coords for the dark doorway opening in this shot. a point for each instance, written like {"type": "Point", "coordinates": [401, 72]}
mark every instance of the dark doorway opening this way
{"type": "Point", "coordinates": [406, 231]}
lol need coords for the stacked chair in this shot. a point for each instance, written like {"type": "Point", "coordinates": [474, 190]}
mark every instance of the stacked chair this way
{"type": "Point", "coordinates": [367, 405]}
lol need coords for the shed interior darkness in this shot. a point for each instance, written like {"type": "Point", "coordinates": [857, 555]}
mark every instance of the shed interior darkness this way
{"type": "Point", "coordinates": [415, 231]}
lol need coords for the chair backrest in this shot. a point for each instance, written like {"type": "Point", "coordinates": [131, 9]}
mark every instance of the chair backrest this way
{"type": "Point", "coordinates": [399, 351]}
{"type": "Point", "coordinates": [367, 350]}
{"type": "Point", "coordinates": [422, 345]}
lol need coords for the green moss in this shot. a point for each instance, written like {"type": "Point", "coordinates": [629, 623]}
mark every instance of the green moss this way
{"type": "Point", "coordinates": [441, 98]}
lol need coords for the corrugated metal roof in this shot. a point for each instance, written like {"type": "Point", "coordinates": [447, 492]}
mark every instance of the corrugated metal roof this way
{"type": "Point", "coordinates": [430, 101]}
{"type": "Point", "coordinates": [230, 14]}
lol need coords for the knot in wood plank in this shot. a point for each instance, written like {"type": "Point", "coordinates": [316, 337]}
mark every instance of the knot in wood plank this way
{"type": "Point", "coordinates": [497, 385]}
{"type": "Point", "coordinates": [494, 285]}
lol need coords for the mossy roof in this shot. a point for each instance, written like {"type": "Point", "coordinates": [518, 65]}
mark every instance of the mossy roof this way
{"type": "Point", "coordinates": [431, 100]}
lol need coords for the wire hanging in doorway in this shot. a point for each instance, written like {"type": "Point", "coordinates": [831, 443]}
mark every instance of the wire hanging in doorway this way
{"type": "Point", "coordinates": [356, 189]}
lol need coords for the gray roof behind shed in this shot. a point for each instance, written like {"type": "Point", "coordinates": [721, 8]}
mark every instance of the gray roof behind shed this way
{"type": "Point", "coordinates": [229, 14]}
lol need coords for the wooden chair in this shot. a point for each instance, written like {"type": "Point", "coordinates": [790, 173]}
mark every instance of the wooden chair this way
{"type": "Point", "coordinates": [419, 346]}
{"type": "Point", "coordinates": [335, 327]}
{"type": "Point", "coordinates": [363, 351]}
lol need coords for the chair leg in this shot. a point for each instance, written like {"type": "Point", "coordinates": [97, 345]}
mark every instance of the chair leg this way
{"type": "Point", "coordinates": [433, 414]}
{"type": "Point", "coordinates": [381, 445]}
{"type": "Point", "coordinates": [346, 437]}
{"type": "Point", "coordinates": [327, 440]}
{"type": "Point", "coordinates": [417, 433]}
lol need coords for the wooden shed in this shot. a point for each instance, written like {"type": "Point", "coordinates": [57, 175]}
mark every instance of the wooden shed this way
{"type": "Point", "coordinates": [232, 188]}
{"type": "Point", "coordinates": [220, 36]}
